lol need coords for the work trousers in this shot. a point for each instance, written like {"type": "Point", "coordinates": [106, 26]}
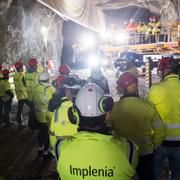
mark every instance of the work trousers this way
{"type": "Point", "coordinates": [32, 123]}
{"type": "Point", "coordinates": [172, 154]}
{"type": "Point", "coordinates": [145, 167]}
{"type": "Point", "coordinates": [7, 110]}
{"type": "Point", "coordinates": [43, 137]}
{"type": "Point", "coordinates": [20, 109]}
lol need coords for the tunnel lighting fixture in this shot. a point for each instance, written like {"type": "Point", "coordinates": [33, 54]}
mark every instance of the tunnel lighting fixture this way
{"type": "Point", "coordinates": [92, 61]}
{"type": "Point", "coordinates": [88, 41]}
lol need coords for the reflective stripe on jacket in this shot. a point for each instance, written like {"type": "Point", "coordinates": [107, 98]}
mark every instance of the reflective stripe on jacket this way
{"type": "Point", "coordinates": [136, 119]}
{"type": "Point", "coordinates": [166, 98]}
{"type": "Point", "coordinates": [92, 156]}
{"type": "Point", "coordinates": [60, 123]}
{"type": "Point", "coordinates": [20, 88]}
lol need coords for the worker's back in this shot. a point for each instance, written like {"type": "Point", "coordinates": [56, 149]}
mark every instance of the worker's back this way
{"type": "Point", "coordinates": [90, 156]}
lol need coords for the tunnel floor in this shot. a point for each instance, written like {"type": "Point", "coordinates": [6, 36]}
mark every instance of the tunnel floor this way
{"type": "Point", "coordinates": [19, 159]}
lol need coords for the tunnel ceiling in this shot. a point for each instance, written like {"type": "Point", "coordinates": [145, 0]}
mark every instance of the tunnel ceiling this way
{"type": "Point", "coordinates": [88, 12]}
{"type": "Point", "coordinates": [168, 10]}
{"type": "Point", "coordinates": [152, 5]}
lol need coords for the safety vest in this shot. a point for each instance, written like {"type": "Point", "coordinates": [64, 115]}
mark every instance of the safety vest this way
{"type": "Point", "coordinates": [136, 119]}
{"type": "Point", "coordinates": [166, 97]}
{"type": "Point", "coordinates": [1, 76]}
{"type": "Point", "coordinates": [31, 82]}
{"type": "Point", "coordinates": [60, 124]}
{"type": "Point", "coordinates": [93, 156]}
{"type": "Point", "coordinates": [156, 28]}
{"type": "Point", "coordinates": [20, 88]}
{"type": "Point", "coordinates": [150, 27]}
{"type": "Point", "coordinates": [5, 86]}
{"type": "Point", "coordinates": [39, 69]}
{"type": "Point", "coordinates": [42, 94]}
{"type": "Point", "coordinates": [142, 29]}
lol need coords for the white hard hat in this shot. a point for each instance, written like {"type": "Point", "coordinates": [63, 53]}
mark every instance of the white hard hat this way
{"type": "Point", "coordinates": [87, 100]}
{"type": "Point", "coordinates": [44, 76]}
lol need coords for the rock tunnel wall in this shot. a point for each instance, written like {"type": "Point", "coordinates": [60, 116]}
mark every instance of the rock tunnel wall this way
{"type": "Point", "coordinates": [29, 29]}
{"type": "Point", "coordinates": [170, 12]}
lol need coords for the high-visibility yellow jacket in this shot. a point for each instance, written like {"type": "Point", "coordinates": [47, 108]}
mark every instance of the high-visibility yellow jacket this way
{"type": "Point", "coordinates": [60, 124]}
{"type": "Point", "coordinates": [1, 76]}
{"type": "Point", "coordinates": [166, 98]}
{"type": "Point", "coordinates": [93, 156]}
{"type": "Point", "coordinates": [31, 82]}
{"type": "Point", "coordinates": [135, 119]}
{"type": "Point", "coordinates": [42, 94]}
{"type": "Point", "coordinates": [20, 88]}
{"type": "Point", "coordinates": [5, 86]}
{"type": "Point", "coordinates": [142, 29]}
{"type": "Point", "coordinates": [39, 69]}
{"type": "Point", "coordinates": [154, 27]}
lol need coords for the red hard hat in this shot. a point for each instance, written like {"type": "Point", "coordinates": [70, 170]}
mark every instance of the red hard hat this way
{"type": "Point", "coordinates": [64, 69]}
{"type": "Point", "coordinates": [6, 73]}
{"type": "Point", "coordinates": [58, 81]}
{"type": "Point", "coordinates": [18, 65]}
{"type": "Point", "coordinates": [165, 63]}
{"type": "Point", "coordinates": [126, 79]}
{"type": "Point", "coordinates": [32, 62]}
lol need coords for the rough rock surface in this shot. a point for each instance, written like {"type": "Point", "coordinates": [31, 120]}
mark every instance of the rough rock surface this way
{"type": "Point", "coordinates": [21, 32]}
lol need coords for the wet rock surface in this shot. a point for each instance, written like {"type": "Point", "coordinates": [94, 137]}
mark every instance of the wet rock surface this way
{"type": "Point", "coordinates": [29, 29]}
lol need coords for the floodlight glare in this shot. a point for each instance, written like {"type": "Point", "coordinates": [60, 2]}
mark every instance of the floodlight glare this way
{"type": "Point", "coordinates": [122, 38]}
{"type": "Point", "coordinates": [92, 61]}
{"type": "Point", "coordinates": [88, 41]}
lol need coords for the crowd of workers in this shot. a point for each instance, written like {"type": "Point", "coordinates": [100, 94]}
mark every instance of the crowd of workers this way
{"type": "Point", "coordinates": [92, 137]}
{"type": "Point", "coordinates": [142, 32]}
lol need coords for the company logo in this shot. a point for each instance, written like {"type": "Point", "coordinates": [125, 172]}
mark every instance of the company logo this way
{"type": "Point", "coordinates": [90, 171]}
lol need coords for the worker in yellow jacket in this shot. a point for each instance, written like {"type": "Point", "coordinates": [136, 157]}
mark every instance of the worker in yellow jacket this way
{"type": "Point", "coordinates": [92, 153]}
{"type": "Point", "coordinates": [134, 118]}
{"type": "Point", "coordinates": [142, 29]}
{"type": "Point", "coordinates": [165, 97]}
{"type": "Point", "coordinates": [20, 90]}
{"type": "Point", "coordinates": [42, 94]}
{"type": "Point", "coordinates": [7, 95]}
{"type": "Point", "coordinates": [31, 77]}
{"type": "Point", "coordinates": [62, 124]}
